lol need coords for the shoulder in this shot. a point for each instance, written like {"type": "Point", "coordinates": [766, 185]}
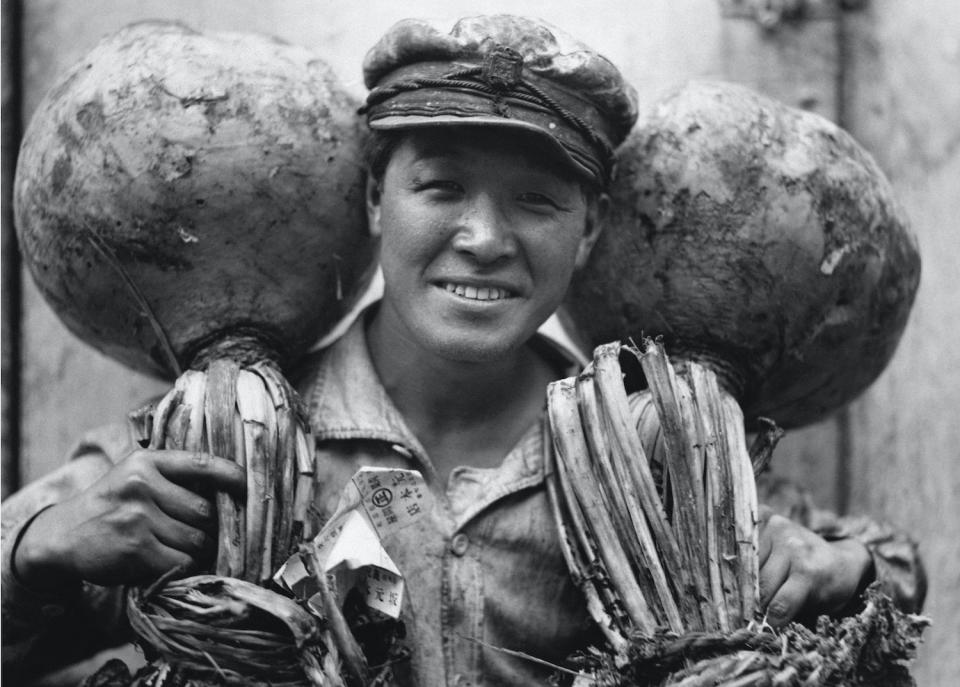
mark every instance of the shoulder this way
{"type": "Point", "coordinates": [111, 441]}
{"type": "Point", "coordinates": [303, 376]}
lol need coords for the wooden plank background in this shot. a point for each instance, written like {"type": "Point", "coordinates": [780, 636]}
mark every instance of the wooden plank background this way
{"type": "Point", "coordinates": [888, 71]}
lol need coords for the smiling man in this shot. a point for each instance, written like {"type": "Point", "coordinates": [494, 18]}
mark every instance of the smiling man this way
{"type": "Point", "coordinates": [480, 236]}
{"type": "Point", "coordinates": [491, 148]}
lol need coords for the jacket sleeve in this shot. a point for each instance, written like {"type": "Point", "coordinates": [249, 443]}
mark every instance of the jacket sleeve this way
{"type": "Point", "coordinates": [896, 560]}
{"type": "Point", "coordinates": [43, 631]}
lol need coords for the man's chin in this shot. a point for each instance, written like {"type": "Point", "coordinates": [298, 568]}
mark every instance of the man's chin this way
{"type": "Point", "coordinates": [477, 348]}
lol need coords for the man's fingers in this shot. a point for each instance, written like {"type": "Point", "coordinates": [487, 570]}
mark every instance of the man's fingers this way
{"type": "Point", "coordinates": [164, 559]}
{"type": "Point", "coordinates": [186, 467]}
{"type": "Point", "coordinates": [766, 546]}
{"type": "Point", "coordinates": [181, 537]}
{"type": "Point", "coordinates": [184, 505]}
{"type": "Point", "coordinates": [768, 532]}
{"type": "Point", "coordinates": [787, 602]}
{"type": "Point", "coordinates": [773, 573]}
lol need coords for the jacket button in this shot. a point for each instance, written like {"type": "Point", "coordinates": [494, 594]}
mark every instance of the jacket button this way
{"type": "Point", "coordinates": [460, 544]}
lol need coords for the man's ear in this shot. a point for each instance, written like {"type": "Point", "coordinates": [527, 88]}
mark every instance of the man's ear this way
{"type": "Point", "coordinates": [597, 212]}
{"type": "Point", "coordinates": [373, 206]}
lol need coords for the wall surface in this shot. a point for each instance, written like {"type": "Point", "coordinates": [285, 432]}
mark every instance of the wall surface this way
{"type": "Point", "coordinates": [902, 102]}
{"type": "Point", "coordinates": [889, 73]}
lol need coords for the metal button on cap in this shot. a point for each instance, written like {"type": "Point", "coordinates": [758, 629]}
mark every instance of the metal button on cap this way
{"type": "Point", "coordinates": [459, 544]}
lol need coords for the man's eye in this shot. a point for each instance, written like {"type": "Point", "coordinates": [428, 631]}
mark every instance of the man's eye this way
{"type": "Point", "coordinates": [538, 200]}
{"type": "Point", "coordinates": [440, 185]}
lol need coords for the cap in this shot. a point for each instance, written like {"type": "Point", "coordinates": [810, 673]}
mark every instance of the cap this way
{"type": "Point", "coordinates": [502, 70]}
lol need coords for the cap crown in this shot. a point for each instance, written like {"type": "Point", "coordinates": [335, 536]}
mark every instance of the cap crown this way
{"type": "Point", "coordinates": [519, 69]}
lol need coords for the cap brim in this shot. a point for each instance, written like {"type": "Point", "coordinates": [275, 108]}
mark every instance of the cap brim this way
{"type": "Point", "coordinates": [398, 122]}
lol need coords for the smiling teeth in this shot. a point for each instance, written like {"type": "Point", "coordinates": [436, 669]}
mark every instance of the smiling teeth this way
{"type": "Point", "coordinates": [476, 294]}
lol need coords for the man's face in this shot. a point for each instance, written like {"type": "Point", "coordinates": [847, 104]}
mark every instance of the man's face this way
{"type": "Point", "coordinates": [479, 239]}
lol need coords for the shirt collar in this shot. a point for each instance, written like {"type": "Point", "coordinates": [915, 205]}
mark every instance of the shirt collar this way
{"type": "Point", "coordinates": [348, 401]}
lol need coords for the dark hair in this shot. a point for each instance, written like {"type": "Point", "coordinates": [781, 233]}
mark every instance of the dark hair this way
{"type": "Point", "coordinates": [380, 145]}
{"type": "Point", "coordinates": [377, 151]}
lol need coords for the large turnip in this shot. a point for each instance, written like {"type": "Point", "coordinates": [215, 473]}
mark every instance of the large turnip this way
{"type": "Point", "coordinates": [758, 238]}
{"type": "Point", "coordinates": [211, 183]}
{"type": "Point", "coordinates": [764, 246]}
{"type": "Point", "coordinates": [190, 201]}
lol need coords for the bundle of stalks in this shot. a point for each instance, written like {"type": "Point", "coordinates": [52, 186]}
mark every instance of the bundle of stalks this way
{"type": "Point", "coordinates": [219, 630]}
{"type": "Point", "coordinates": [240, 406]}
{"type": "Point", "coordinates": [227, 628]}
{"type": "Point", "coordinates": [665, 546]}
{"type": "Point", "coordinates": [870, 648]}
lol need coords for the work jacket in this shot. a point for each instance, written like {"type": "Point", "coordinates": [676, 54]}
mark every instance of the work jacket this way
{"type": "Point", "coordinates": [485, 577]}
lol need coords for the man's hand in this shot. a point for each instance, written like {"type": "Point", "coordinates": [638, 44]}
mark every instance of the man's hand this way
{"type": "Point", "coordinates": [802, 575]}
{"type": "Point", "coordinates": [142, 518]}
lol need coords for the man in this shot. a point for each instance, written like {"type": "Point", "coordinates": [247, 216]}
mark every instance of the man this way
{"type": "Point", "coordinates": [492, 148]}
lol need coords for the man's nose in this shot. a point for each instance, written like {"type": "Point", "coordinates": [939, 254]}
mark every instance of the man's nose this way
{"type": "Point", "coordinates": [484, 231]}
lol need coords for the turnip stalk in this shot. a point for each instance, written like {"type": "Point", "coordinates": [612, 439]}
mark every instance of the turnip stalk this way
{"type": "Point", "coordinates": [599, 609]}
{"type": "Point", "coordinates": [761, 450]}
{"type": "Point", "coordinates": [571, 448]}
{"type": "Point", "coordinates": [254, 407]}
{"type": "Point", "coordinates": [166, 406]}
{"type": "Point", "coordinates": [305, 487]}
{"type": "Point", "coordinates": [286, 486]}
{"type": "Point", "coordinates": [631, 520]}
{"type": "Point", "coordinates": [220, 408]}
{"type": "Point", "coordinates": [720, 528]}
{"type": "Point", "coordinates": [682, 464]}
{"type": "Point", "coordinates": [177, 426]}
{"type": "Point", "coordinates": [635, 476]}
{"type": "Point", "coordinates": [628, 522]}
{"type": "Point", "coordinates": [580, 548]}
{"type": "Point", "coordinates": [284, 493]}
{"type": "Point", "coordinates": [746, 516]}
{"type": "Point", "coordinates": [194, 398]}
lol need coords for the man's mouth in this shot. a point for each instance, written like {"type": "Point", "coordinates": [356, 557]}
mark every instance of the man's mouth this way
{"type": "Point", "coordinates": [477, 293]}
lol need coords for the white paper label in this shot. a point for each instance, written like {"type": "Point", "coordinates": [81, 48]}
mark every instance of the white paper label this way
{"type": "Point", "coordinates": [375, 502]}
{"type": "Point", "coordinates": [391, 498]}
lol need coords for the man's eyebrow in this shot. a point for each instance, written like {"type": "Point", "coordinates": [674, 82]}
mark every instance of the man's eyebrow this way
{"type": "Point", "coordinates": [429, 153]}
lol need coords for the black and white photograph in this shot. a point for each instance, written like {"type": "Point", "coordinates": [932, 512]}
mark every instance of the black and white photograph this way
{"type": "Point", "coordinates": [480, 343]}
